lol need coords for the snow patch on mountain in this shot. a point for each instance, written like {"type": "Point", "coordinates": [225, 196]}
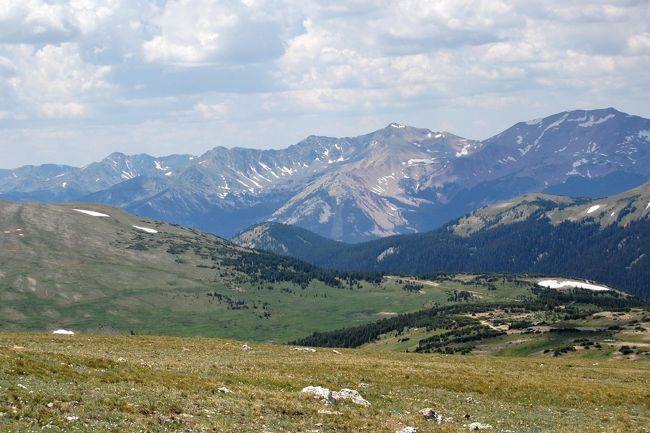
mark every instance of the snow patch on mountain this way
{"type": "Point", "coordinates": [555, 284]}
{"type": "Point", "coordinates": [145, 229]}
{"type": "Point", "coordinates": [551, 126]}
{"type": "Point", "coordinates": [578, 119]}
{"type": "Point", "coordinates": [593, 121]}
{"type": "Point", "coordinates": [593, 209]}
{"type": "Point", "coordinates": [92, 213]}
{"type": "Point", "coordinates": [419, 161]}
{"type": "Point", "coordinates": [159, 166]}
{"type": "Point", "coordinates": [577, 164]}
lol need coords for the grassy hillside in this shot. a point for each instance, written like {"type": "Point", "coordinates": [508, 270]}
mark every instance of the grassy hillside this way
{"type": "Point", "coordinates": [155, 384]}
{"type": "Point", "coordinates": [60, 268]}
{"type": "Point", "coordinates": [480, 317]}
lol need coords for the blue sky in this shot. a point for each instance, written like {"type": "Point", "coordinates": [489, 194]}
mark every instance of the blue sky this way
{"type": "Point", "coordinates": [80, 79]}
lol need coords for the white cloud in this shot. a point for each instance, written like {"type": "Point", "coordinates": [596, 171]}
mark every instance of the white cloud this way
{"type": "Point", "coordinates": [54, 80]}
{"type": "Point", "coordinates": [196, 31]}
{"type": "Point", "coordinates": [293, 63]}
{"type": "Point", "coordinates": [62, 110]}
{"type": "Point", "coordinates": [639, 43]}
{"type": "Point", "coordinates": [51, 21]}
{"type": "Point", "coordinates": [212, 111]}
{"type": "Point", "coordinates": [417, 49]}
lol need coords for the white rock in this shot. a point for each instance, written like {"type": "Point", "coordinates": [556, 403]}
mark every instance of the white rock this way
{"type": "Point", "coordinates": [62, 332]}
{"type": "Point", "coordinates": [121, 360]}
{"type": "Point", "coordinates": [431, 415]}
{"type": "Point", "coordinates": [479, 426]}
{"type": "Point", "coordinates": [352, 395]}
{"type": "Point", "coordinates": [304, 349]}
{"type": "Point", "coordinates": [407, 430]}
{"type": "Point", "coordinates": [71, 418]}
{"type": "Point", "coordinates": [320, 392]}
{"type": "Point", "coordinates": [246, 347]}
{"type": "Point", "coordinates": [224, 390]}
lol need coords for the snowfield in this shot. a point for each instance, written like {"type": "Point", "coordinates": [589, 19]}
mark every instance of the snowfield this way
{"type": "Point", "coordinates": [555, 284]}
{"type": "Point", "coordinates": [593, 209]}
{"type": "Point", "coordinates": [92, 213]}
{"type": "Point", "coordinates": [146, 229]}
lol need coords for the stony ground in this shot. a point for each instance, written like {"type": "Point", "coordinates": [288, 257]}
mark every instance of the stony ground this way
{"type": "Point", "coordinates": [156, 384]}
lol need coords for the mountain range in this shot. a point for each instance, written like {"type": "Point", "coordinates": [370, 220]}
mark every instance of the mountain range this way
{"type": "Point", "coordinates": [396, 180]}
{"type": "Point", "coordinates": [605, 239]}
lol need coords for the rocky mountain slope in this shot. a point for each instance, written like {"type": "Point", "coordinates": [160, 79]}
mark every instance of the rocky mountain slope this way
{"type": "Point", "coordinates": [605, 239]}
{"type": "Point", "coordinates": [399, 179]}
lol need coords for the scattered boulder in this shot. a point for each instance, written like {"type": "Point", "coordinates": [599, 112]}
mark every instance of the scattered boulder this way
{"type": "Point", "coordinates": [352, 395]}
{"type": "Point", "coordinates": [224, 390]}
{"type": "Point", "coordinates": [479, 426]}
{"type": "Point", "coordinates": [336, 351]}
{"type": "Point", "coordinates": [62, 332]}
{"type": "Point", "coordinates": [121, 360]}
{"type": "Point", "coordinates": [246, 347]}
{"type": "Point", "coordinates": [71, 418]}
{"type": "Point", "coordinates": [333, 397]}
{"type": "Point", "coordinates": [407, 430]}
{"type": "Point", "coordinates": [431, 415]}
{"type": "Point", "coordinates": [321, 393]}
{"type": "Point", "coordinates": [304, 349]}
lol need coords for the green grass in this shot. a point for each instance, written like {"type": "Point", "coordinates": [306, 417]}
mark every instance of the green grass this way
{"type": "Point", "coordinates": [165, 384]}
{"type": "Point", "coordinates": [71, 270]}
{"type": "Point", "coordinates": [77, 271]}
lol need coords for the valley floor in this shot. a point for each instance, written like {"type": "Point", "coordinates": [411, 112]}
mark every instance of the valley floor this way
{"type": "Point", "coordinates": [165, 384]}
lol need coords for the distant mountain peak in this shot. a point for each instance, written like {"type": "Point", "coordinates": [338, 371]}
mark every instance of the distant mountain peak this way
{"type": "Point", "coordinates": [393, 180]}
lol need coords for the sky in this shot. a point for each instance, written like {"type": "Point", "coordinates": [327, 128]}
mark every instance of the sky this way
{"type": "Point", "coordinates": [80, 79]}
